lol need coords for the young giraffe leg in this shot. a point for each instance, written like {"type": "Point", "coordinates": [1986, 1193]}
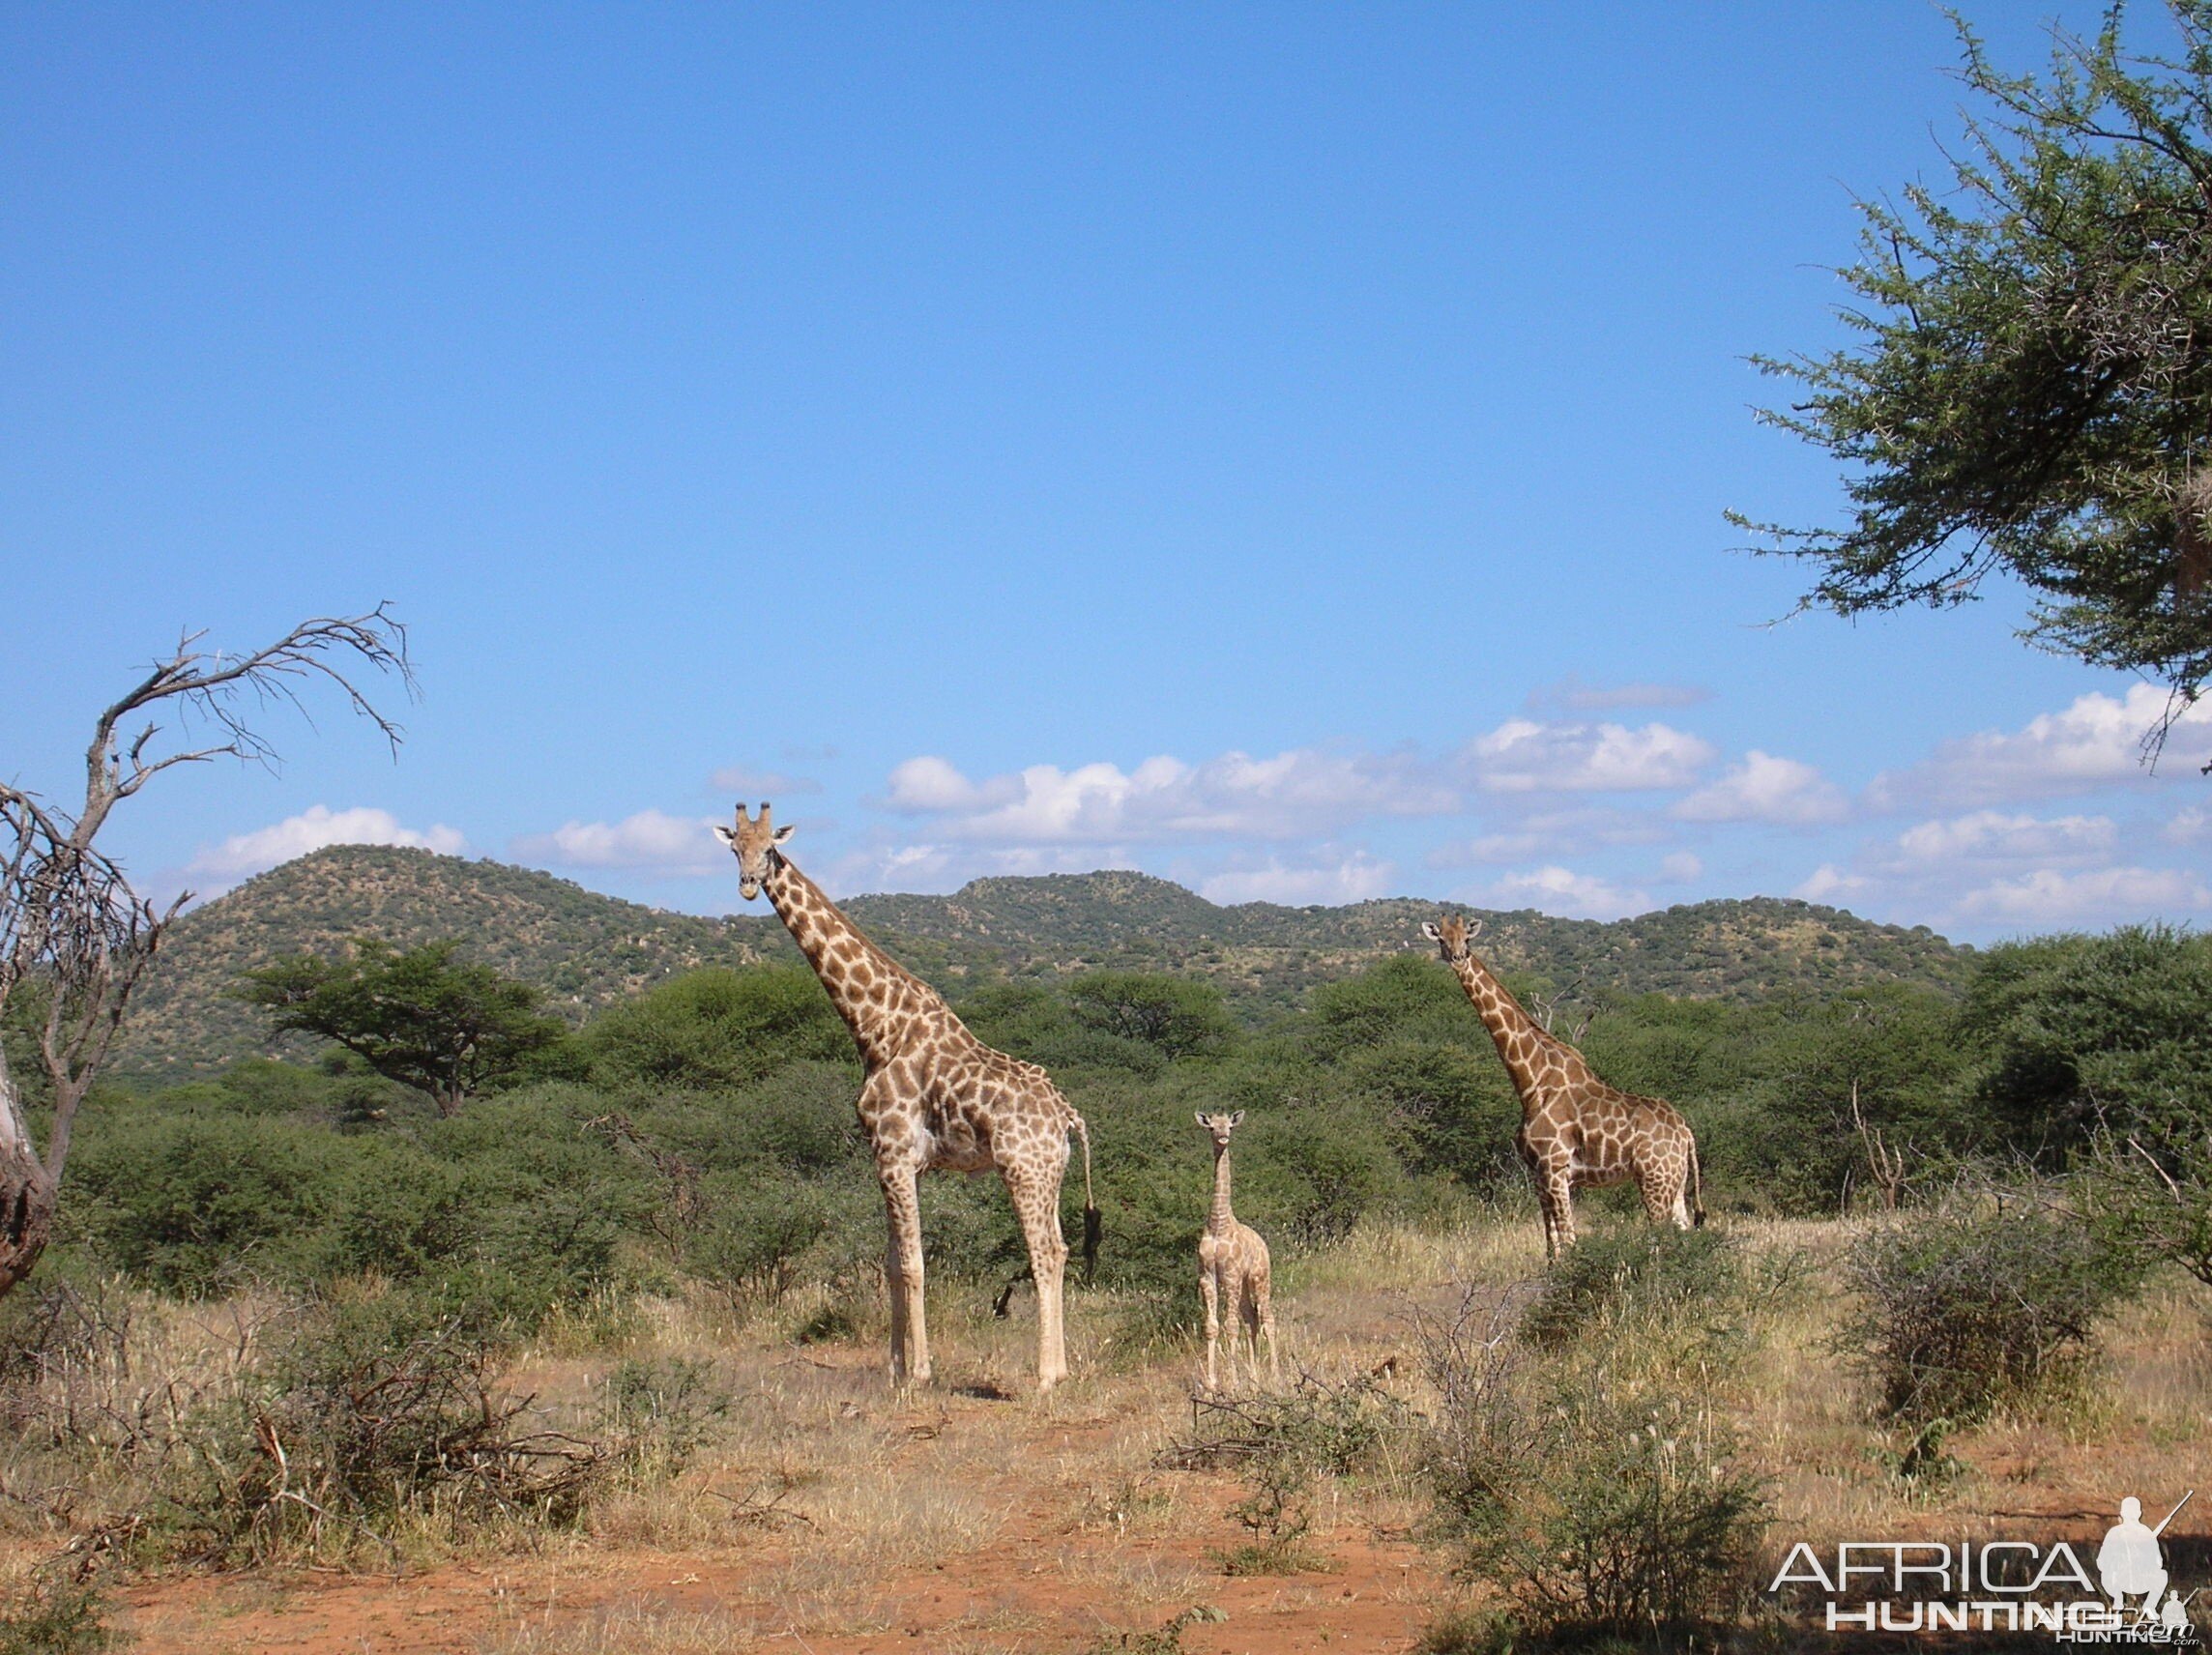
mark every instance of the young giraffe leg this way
{"type": "Point", "coordinates": [902, 1276]}
{"type": "Point", "coordinates": [1209, 1290]}
{"type": "Point", "coordinates": [1037, 1205]}
{"type": "Point", "coordinates": [1262, 1307]}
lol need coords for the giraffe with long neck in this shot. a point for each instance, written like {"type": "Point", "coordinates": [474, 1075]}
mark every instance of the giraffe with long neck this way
{"type": "Point", "coordinates": [935, 1096]}
{"type": "Point", "coordinates": [1233, 1264]}
{"type": "Point", "coordinates": [1576, 1131]}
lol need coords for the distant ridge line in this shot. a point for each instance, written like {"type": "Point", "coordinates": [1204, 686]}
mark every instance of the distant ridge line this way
{"type": "Point", "coordinates": [588, 951]}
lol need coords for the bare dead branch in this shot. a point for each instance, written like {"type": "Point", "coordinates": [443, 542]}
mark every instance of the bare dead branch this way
{"type": "Point", "coordinates": [74, 930]}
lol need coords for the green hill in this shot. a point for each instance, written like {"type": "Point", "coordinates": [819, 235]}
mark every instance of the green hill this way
{"type": "Point", "coordinates": [587, 950]}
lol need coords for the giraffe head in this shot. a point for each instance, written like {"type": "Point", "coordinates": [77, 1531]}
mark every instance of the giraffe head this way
{"type": "Point", "coordinates": [1220, 1126]}
{"type": "Point", "coordinates": [752, 843]}
{"type": "Point", "coordinates": [1454, 937]}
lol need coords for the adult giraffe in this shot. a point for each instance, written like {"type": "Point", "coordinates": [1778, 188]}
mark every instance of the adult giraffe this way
{"type": "Point", "coordinates": [934, 1097]}
{"type": "Point", "coordinates": [1576, 1131]}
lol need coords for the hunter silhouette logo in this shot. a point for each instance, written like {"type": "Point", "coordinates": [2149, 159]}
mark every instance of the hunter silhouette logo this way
{"type": "Point", "coordinates": [2131, 1563]}
{"type": "Point", "coordinates": [2002, 1585]}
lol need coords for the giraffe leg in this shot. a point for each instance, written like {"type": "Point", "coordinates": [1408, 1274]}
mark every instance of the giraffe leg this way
{"type": "Point", "coordinates": [902, 1272]}
{"type": "Point", "coordinates": [1210, 1292]}
{"type": "Point", "coordinates": [1267, 1320]}
{"type": "Point", "coordinates": [1037, 1205]}
{"type": "Point", "coordinates": [1262, 1318]}
{"type": "Point", "coordinates": [1557, 1196]}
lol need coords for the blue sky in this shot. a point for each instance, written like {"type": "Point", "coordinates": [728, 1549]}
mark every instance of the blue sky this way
{"type": "Point", "coordinates": [1283, 448]}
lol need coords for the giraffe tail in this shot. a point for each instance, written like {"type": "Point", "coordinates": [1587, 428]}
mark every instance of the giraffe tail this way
{"type": "Point", "coordinates": [1092, 1226]}
{"type": "Point", "coordinates": [1697, 1189]}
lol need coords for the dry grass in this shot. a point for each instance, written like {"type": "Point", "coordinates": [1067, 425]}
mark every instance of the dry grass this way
{"type": "Point", "coordinates": [828, 1508]}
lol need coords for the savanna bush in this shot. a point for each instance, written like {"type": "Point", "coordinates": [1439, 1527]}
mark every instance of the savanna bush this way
{"type": "Point", "coordinates": [1600, 1495]}
{"type": "Point", "coordinates": [191, 1203]}
{"type": "Point", "coordinates": [1688, 1279]}
{"type": "Point", "coordinates": [714, 1028]}
{"type": "Point", "coordinates": [761, 1235]}
{"type": "Point", "coordinates": [1968, 1308]}
{"type": "Point", "coordinates": [55, 1617]}
{"type": "Point", "coordinates": [364, 1418]}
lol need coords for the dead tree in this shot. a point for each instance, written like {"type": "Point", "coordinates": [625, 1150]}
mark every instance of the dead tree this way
{"type": "Point", "coordinates": [1885, 1163]}
{"type": "Point", "coordinates": [76, 940]}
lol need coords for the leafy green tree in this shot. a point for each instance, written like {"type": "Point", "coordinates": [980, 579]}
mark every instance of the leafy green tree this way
{"type": "Point", "coordinates": [1175, 1016]}
{"type": "Point", "coordinates": [714, 1028]}
{"type": "Point", "coordinates": [415, 1017]}
{"type": "Point", "coordinates": [2032, 391]}
{"type": "Point", "coordinates": [1406, 994]}
{"type": "Point", "coordinates": [2075, 1033]}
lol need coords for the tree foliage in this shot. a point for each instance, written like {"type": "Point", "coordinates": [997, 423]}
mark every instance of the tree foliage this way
{"type": "Point", "coordinates": [2031, 389]}
{"type": "Point", "coordinates": [415, 1017]}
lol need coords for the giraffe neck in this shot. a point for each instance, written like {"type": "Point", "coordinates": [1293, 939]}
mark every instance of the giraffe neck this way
{"type": "Point", "coordinates": [1517, 1036]}
{"type": "Point", "coordinates": [873, 993]}
{"type": "Point", "coordinates": [1219, 1220]}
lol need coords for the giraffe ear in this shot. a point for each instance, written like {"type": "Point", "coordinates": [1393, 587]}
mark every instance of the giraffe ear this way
{"type": "Point", "coordinates": [728, 835]}
{"type": "Point", "coordinates": [784, 833]}
{"type": "Point", "coordinates": [1474, 929]}
{"type": "Point", "coordinates": [1430, 931]}
{"type": "Point", "coordinates": [1199, 1116]}
{"type": "Point", "coordinates": [1236, 1118]}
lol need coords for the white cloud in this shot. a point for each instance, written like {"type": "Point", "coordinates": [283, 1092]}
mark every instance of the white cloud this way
{"type": "Point", "coordinates": [2192, 826]}
{"type": "Point", "coordinates": [1991, 835]}
{"type": "Point", "coordinates": [1831, 885]}
{"type": "Point", "coordinates": [1764, 788]}
{"type": "Point", "coordinates": [1559, 890]}
{"type": "Point", "coordinates": [2096, 743]}
{"type": "Point", "coordinates": [244, 854]}
{"type": "Point", "coordinates": [1681, 867]}
{"type": "Point", "coordinates": [1552, 833]}
{"type": "Point", "coordinates": [1302, 792]}
{"type": "Point", "coordinates": [1525, 756]}
{"type": "Point", "coordinates": [2101, 896]}
{"type": "Point", "coordinates": [1355, 878]}
{"type": "Point", "coordinates": [929, 784]}
{"type": "Point", "coordinates": [648, 840]}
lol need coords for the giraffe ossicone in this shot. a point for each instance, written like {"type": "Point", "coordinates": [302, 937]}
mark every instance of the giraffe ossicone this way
{"type": "Point", "coordinates": [1233, 1264]}
{"type": "Point", "coordinates": [1576, 1131]}
{"type": "Point", "coordinates": [935, 1096]}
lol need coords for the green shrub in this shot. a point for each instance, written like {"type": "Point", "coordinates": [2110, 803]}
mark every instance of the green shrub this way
{"type": "Point", "coordinates": [663, 1412]}
{"type": "Point", "coordinates": [1967, 1309]}
{"type": "Point", "coordinates": [1593, 1483]}
{"type": "Point", "coordinates": [759, 1233]}
{"type": "Point", "coordinates": [550, 1198]}
{"type": "Point", "coordinates": [717, 1028]}
{"type": "Point", "coordinates": [2073, 1032]}
{"type": "Point", "coordinates": [1595, 1488]}
{"type": "Point", "coordinates": [55, 1618]}
{"type": "Point", "coordinates": [1690, 1278]}
{"type": "Point", "coordinates": [1177, 1017]}
{"type": "Point", "coordinates": [190, 1203]}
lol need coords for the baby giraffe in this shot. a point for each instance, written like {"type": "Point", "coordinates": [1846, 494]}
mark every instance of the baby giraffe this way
{"type": "Point", "coordinates": [1232, 1264]}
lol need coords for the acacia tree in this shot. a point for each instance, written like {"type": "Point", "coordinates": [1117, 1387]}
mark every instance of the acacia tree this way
{"type": "Point", "coordinates": [76, 940]}
{"type": "Point", "coordinates": [415, 1017]}
{"type": "Point", "coordinates": [2031, 389]}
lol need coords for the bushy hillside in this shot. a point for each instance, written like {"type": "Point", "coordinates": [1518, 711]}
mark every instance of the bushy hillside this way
{"type": "Point", "coordinates": [588, 951]}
